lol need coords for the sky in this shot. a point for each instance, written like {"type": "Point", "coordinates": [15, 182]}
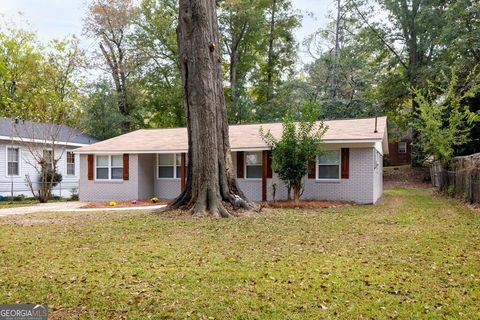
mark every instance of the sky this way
{"type": "Point", "coordinates": [60, 18]}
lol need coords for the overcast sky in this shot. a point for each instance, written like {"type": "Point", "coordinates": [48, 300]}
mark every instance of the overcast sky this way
{"type": "Point", "coordinates": [60, 18]}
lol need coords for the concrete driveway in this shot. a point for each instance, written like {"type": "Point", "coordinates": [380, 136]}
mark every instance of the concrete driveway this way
{"type": "Point", "coordinates": [71, 206]}
{"type": "Point", "coordinates": [42, 207]}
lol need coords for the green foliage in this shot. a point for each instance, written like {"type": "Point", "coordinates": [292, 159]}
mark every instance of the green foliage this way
{"type": "Point", "coordinates": [39, 83]}
{"type": "Point", "coordinates": [160, 100]}
{"type": "Point", "coordinates": [299, 144]}
{"type": "Point", "coordinates": [443, 119]}
{"type": "Point", "coordinates": [101, 117]}
{"type": "Point", "coordinates": [51, 177]}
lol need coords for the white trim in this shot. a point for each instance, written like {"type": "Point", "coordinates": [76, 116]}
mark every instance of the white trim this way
{"type": "Point", "coordinates": [74, 164]}
{"type": "Point", "coordinates": [157, 172]}
{"type": "Point", "coordinates": [9, 146]}
{"type": "Point", "coordinates": [246, 149]}
{"type": "Point", "coordinates": [256, 165]}
{"type": "Point", "coordinates": [109, 167]}
{"type": "Point", "coordinates": [317, 164]}
{"type": "Point", "coordinates": [61, 143]}
{"type": "Point", "coordinates": [398, 148]}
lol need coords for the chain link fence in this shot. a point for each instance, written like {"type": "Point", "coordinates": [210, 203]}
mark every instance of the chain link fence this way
{"type": "Point", "coordinates": [462, 179]}
{"type": "Point", "coordinates": [62, 189]}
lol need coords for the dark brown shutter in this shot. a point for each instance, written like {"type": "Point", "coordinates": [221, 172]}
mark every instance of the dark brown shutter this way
{"type": "Point", "coordinates": [126, 169]}
{"type": "Point", "coordinates": [311, 169]}
{"type": "Point", "coordinates": [345, 163]}
{"type": "Point", "coordinates": [240, 165]}
{"type": "Point", "coordinates": [90, 167]}
{"type": "Point", "coordinates": [269, 164]}
{"type": "Point", "coordinates": [183, 161]}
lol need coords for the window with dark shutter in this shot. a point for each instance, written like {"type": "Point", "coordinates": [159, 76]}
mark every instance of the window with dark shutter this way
{"type": "Point", "coordinates": [345, 163]}
{"type": "Point", "coordinates": [269, 164]}
{"type": "Point", "coordinates": [90, 167]}
{"type": "Point", "coordinates": [311, 170]}
{"type": "Point", "coordinates": [126, 170]}
{"type": "Point", "coordinates": [240, 164]}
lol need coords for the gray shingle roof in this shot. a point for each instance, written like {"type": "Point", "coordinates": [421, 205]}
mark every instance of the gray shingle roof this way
{"type": "Point", "coordinates": [35, 130]}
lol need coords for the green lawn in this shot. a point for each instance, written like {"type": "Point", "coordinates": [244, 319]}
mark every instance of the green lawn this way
{"type": "Point", "coordinates": [23, 203]}
{"type": "Point", "coordinates": [411, 256]}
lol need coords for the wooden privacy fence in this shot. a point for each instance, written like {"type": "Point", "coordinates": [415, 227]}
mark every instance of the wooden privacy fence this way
{"type": "Point", "coordinates": [461, 178]}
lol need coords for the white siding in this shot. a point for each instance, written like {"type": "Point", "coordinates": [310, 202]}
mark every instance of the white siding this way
{"type": "Point", "coordinates": [27, 167]}
{"type": "Point", "coordinates": [378, 178]}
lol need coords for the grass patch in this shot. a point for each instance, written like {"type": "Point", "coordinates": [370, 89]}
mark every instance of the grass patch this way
{"type": "Point", "coordinates": [24, 203]}
{"type": "Point", "coordinates": [410, 256]}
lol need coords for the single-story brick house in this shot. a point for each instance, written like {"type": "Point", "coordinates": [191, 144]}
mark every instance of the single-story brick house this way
{"type": "Point", "coordinates": [152, 162]}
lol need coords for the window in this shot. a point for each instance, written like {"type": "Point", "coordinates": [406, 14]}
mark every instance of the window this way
{"type": "Point", "coordinates": [48, 158]}
{"type": "Point", "coordinates": [109, 167]}
{"type": "Point", "coordinates": [329, 165]}
{"type": "Point", "coordinates": [13, 161]}
{"type": "Point", "coordinates": [70, 164]}
{"type": "Point", "coordinates": [253, 165]}
{"type": "Point", "coordinates": [402, 147]}
{"type": "Point", "coordinates": [169, 165]}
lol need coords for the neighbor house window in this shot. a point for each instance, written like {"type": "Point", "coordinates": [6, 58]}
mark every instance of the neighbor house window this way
{"type": "Point", "coordinates": [48, 158]}
{"type": "Point", "coordinates": [70, 164]}
{"type": "Point", "coordinates": [13, 161]}
{"type": "Point", "coordinates": [109, 167]}
{"type": "Point", "coordinates": [253, 165]}
{"type": "Point", "coordinates": [402, 147]}
{"type": "Point", "coordinates": [169, 165]}
{"type": "Point", "coordinates": [329, 165]}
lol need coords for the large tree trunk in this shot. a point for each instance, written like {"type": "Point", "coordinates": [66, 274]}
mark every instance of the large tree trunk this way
{"type": "Point", "coordinates": [211, 187]}
{"type": "Point", "coordinates": [270, 52]}
{"type": "Point", "coordinates": [233, 84]}
{"type": "Point", "coordinates": [337, 50]}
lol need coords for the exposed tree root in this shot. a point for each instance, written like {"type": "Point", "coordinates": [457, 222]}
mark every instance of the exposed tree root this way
{"type": "Point", "coordinates": [214, 206]}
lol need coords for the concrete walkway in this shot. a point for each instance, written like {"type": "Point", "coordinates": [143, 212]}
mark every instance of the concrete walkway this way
{"type": "Point", "coordinates": [41, 207]}
{"type": "Point", "coordinates": [73, 206]}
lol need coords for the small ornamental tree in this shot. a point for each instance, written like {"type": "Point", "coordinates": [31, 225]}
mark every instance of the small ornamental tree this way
{"type": "Point", "coordinates": [299, 144]}
{"type": "Point", "coordinates": [444, 119]}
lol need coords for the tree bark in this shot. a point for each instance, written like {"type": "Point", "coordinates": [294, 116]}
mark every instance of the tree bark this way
{"type": "Point", "coordinates": [211, 187]}
{"type": "Point", "coordinates": [270, 61]}
{"type": "Point", "coordinates": [337, 50]}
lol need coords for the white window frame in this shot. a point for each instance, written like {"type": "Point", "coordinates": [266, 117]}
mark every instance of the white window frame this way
{"type": "Point", "coordinates": [74, 164]}
{"type": "Point", "coordinates": [403, 143]}
{"type": "Point", "coordinates": [317, 164]}
{"type": "Point", "coordinates": [51, 153]}
{"type": "Point", "coordinates": [175, 165]}
{"type": "Point", "coordinates": [19, 160]}
{"type": "Point", "coordinates": [245, 164]}
{"type": "Point", "coordinates": [109, 167]}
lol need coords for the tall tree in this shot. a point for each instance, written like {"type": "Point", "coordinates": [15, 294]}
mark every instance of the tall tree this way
{"type": "Point", "coordinates": [241, 26]}
{"type": "Point", "coordinates": [412, 38]}
{"type": "Point", "coordinates": [101, 117]}
{"type": "Point", "coordinates": [161, 104]}
{"type": "Point", "coordinates": [21, 64]}
{"type": "Point", "coordinates": [110, 21]}
{"type": "Point", "coordinates": [211, 187]}
{"type": "Point", "coordinates": [281, 43]}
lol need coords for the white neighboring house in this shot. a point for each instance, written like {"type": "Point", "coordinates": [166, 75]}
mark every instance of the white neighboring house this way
{"type": "Point", "coordinates": [17, 162]}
